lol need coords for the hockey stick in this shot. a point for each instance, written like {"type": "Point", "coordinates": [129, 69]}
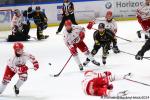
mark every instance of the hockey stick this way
{"type": "Point", "coordinates": [56, 75]}
{"type": "Point", "coordinates": [123, 38]}
{"type": "Point", "coordinates": [133, 54]}
{"type": "Point", "coordinates": [122, 93]}
{"type": "Point", "coordinates": [137, 82]}
{"type": "Point", "coordinates": [118, 37]}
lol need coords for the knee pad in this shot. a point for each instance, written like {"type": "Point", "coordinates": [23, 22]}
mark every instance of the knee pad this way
{"type": "Point", "coordinates": [87, 52]}
{"type": "Point", "coordinates": [23, 77]}
{"type": "Point", "coordinates": [94, 52]}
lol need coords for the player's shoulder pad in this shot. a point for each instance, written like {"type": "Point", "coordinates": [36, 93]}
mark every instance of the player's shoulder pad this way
{"type": "Point", "coordinates": [109, 32]}
{"type": "Point", "coordinates": [95, 33]}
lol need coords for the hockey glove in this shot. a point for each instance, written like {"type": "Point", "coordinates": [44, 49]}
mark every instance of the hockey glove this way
{"type": "Point", "coordinates": [36, 65]}
{"type": "Point", "coordinates": [90, 25]}
{"type": "Point", "coordinates": [107, 73]}
{"type": "Point", "coordinates": [82, 36]}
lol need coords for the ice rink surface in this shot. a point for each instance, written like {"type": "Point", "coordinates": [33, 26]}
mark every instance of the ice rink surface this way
{"type": "Point", "coordinates": [40, 86]}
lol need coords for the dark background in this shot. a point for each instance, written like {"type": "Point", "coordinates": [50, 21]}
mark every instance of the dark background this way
{"type": "Point", "coordinates": [15, 2]}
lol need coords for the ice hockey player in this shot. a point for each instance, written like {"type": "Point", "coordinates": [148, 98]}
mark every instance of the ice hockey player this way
{"type": "Point", "coordinates": [111, 24]}
{"type": "Point", "coordinates": [103, 38]}
{"type": "Point", "coordinates": [143, 16]}
{"type": "Point", "coordinates": [40, 20]}
{"type": "Point", "coordinates": [100, 83]}
{"type": "Point", "coordinates": [73, 38]}
{"type": "Point", "coordinates": [17, 65]}
{"type": "Point", "coordinates": [68, 14]}
{"type": "Point", "coordinates": [26, 23]}
{"type": "Point", "coordinates": [17, 28]}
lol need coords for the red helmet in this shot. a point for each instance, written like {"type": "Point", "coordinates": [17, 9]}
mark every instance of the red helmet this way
{"type": "Point", "coordinates": [68, 23]}
{"type": "Point", "coordinates": [109, 13]}
{"type": "Point", "coordinates": [18, 46]}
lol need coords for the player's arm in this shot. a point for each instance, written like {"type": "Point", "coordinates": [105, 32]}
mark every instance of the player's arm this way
{"type": "Point", "coordinates": [71, 8]}
{"type": "Point", "coordinates": [33, 61]}
{"type": "Point", "coordinates": [95, 37]}
{"type": "Point", "coordinates": [115, 27]}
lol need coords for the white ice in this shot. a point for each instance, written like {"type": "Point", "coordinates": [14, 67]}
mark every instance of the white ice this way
{"type": "Point", "coordinates": [40, 86]}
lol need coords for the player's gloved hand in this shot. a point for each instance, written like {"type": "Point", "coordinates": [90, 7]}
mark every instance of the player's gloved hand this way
{"type": "Point", "coordinates": [22, 69]}
{"type": "Point", "coordinates": [73, 51]}
{"type": "Point", "coordinates": [97, 42]}
{"type": "Point", "coordinates": [13, 69]}
{"type": "Point", "coordinates": [82, 35]}
{"type": "Point", "coordinates": [107, 73]}
{"type": "Point", "coordinates": [36, 66]}
{"type": "Point", "coordinates": [110, 87]}
{"type": "Point", "coordinates": [90, 25]}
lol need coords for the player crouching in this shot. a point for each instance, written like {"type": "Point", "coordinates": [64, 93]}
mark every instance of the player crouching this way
{"type": "Point", "coordinates": [17, 28]}
{"type": "Point", "coordinates": [99, 84]}
{"type": "Point", "coordinates": [17, 65]}
{"type": "Point", "coordinates": [73, 38]}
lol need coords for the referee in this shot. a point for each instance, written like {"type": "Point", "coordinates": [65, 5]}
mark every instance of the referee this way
{"type": "Point", "coordinates": [68, 13]}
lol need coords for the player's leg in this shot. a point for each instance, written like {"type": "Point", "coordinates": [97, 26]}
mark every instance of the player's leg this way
{"type": "Point", "coordinates": [105, 52]}
{"type": "Point", "coordinates": [22, 72]}
{"type": "Point", "coordinates": [93, 52]}
{"type": "Point", "coordinates": [82, 46]}
{"type": "Point", "coordinates": [115, 47]}
{"type": "Point", "coordinates": [74, 52]}
{"type": "Point", "coordinates": [144, 24]}
{"type": "Point", "coordinates": [72, 18]}
{"type": "Point", "coordinates": [6, 79]}
{"type": "Point", "coordinates": [20, 82]}
{"type": "Point", "coordinates": [39, 32]}
{"type": "Point", "coordinates": [61, 25]}
{"type": "Point", "coordinates": [145, 48]}
{"type": "Point", "coordinates": [26, 29]}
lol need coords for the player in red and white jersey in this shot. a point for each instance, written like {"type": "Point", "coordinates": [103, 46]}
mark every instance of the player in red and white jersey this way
{"type": "Point", "coordinates": [73, 38]}
{"type": "Point", "coordinates": [17, 65]}
{"type": "Point", "coordinates": [100, 84]}
{"type": "Point", "coordinates": [17, 22]}
{"type": "Point", "coordinates": [110, 24]}
{"type": "Point", "coordinates": [143, 16]}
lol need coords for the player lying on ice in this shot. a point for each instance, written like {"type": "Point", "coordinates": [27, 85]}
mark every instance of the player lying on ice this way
{"type": "Point", "coordinates": [103, 38]}
{"type": "Point", "coordinates": [17, 24]}
{"type": "Point", "coordinates": [143, 16]}
{"type": "Point", "coordinates": [100, 84]}
{"type": "Point", "coordinates": [17, 65]}
{"type": "Point", "coordinates": [110, 24]}
{"type": "Point", "coordinates": [73, 38]}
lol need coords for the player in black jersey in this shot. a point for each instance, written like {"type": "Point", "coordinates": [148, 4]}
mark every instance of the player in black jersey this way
{"type": "Point", "coordinates": [103, 38]}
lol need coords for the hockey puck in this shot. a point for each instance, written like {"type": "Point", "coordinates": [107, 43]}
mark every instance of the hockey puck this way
{"type": "Point", "coordinates": [50, 64]}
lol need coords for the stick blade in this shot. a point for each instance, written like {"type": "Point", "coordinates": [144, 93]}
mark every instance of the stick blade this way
{"type": "Point", "coordinates": [56, 75]}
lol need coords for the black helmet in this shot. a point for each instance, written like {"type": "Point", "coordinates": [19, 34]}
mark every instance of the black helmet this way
{"type": "Point", "coordinates": [101, 25]}
{"type": "Point", "coordinates": [29, 9]}
{"type": "Point", "coordinates": [37, 8]}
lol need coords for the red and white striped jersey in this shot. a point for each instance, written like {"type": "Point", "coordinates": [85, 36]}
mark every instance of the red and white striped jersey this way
{"type": "Point", "coordinates": [74, 36]}
{"type": "Point", "coordinates": [144, 12]}
{"type": "Point", "coordinates": [15, 61]}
